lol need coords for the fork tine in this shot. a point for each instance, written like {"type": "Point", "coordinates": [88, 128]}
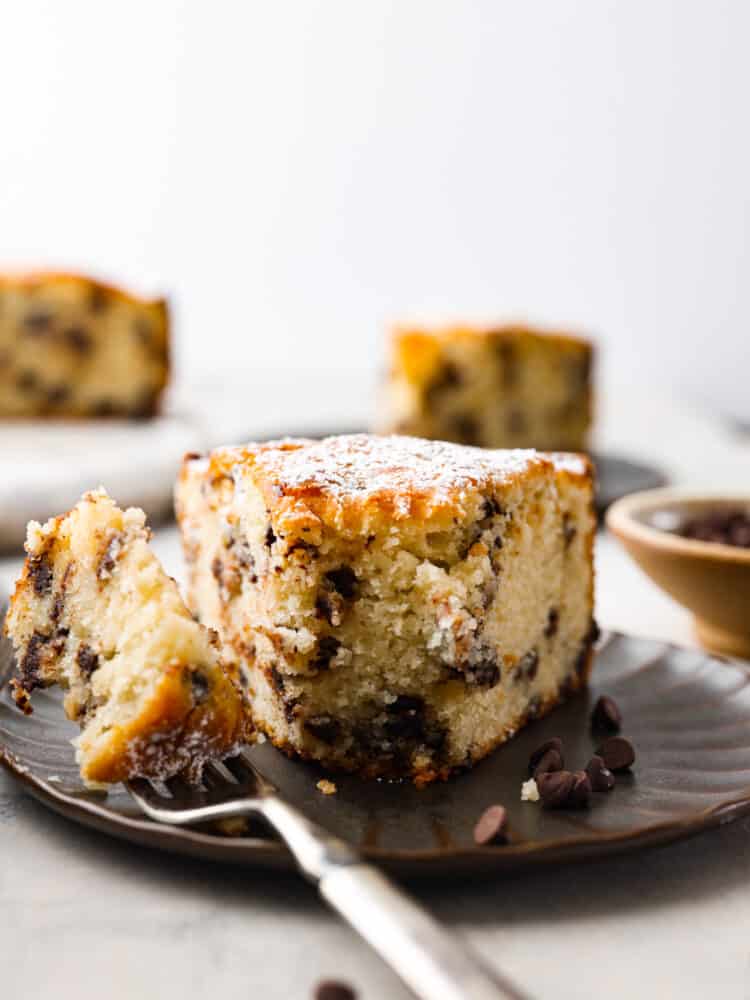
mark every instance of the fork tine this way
{"type": "Point", "coordinates": [141, 789]}
{"type": "Point", "coordinates": [215, 775]}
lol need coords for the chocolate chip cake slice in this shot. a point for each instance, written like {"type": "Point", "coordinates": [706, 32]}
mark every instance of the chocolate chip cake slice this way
{"type": "Point", "coordinates": [395, 606]}
{"type": "Point", "coordinates": [509, 387]}
{"type": "Point", "coordinates": [74, 347]}
{"type": "Point", "coordinates": [94, 611]}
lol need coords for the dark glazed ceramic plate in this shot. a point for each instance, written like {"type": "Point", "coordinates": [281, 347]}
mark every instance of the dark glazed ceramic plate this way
{"type": "Point", "coordinates": [688, 715]}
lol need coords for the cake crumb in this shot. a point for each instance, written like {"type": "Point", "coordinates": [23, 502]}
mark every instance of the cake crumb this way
{"type": "Point", "coordinates": [529, 791]}
{"type": "Point", "coordinates": [326, 787]}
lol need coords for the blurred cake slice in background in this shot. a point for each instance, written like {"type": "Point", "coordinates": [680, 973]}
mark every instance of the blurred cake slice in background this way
{"type": "Point", "coordinates": [502, 387]}
{"type": "Point", "coordinates": [74, 347]}
{"type": "Point", "coordinates": [95, 612]}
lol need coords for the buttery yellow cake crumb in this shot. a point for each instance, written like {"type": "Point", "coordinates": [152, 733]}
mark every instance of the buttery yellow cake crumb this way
{"type": "Point", "coordinates": [326, 787]}
{"type": "Point", "coordinates": [94, 612]}
{"type": "Point", "coordinates": [394, 606]}
{"type": "Point", "coordinates": [529, 791]}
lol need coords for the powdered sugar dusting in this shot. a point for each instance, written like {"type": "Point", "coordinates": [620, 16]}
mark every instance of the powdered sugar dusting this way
{"type": "Point", "coordinates": [363, 466]}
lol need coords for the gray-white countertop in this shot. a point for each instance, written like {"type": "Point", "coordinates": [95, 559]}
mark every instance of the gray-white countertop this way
{"type": "Point", "coordinates": [86, 917]}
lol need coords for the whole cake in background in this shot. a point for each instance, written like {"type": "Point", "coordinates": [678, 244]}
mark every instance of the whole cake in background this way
{"type": "Point", "coordinates": [504, 387]}
{"type": "Point", "coordinates": [395, 606]}
{"type": "Point", "coordinates": [74, 347]}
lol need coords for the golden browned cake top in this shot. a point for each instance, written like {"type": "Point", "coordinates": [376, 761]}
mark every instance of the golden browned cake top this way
{"type": "Point", "coordinates": [518, 331]}
{"type": "Point", "coordinates": [30, 281]}
{"type": "Point", "coordinates": [354, 480]}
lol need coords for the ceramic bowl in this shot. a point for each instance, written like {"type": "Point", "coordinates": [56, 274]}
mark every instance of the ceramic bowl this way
{"type": "Point", "coordinates": [711, 580]}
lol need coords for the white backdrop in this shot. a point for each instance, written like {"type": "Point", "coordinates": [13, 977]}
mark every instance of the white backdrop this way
{"type": "Point", "coordinates": [298, 174]}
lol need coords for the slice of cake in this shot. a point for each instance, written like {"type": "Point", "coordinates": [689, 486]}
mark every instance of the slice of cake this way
{"type": "Point", "coordinates": [94, 611]}
{"type": "Point", "coordinates": [73, 347]}
{"type": "Point", "coordinates": [395, 606]}
{"type": "Point", "coordinates": [510, 387]}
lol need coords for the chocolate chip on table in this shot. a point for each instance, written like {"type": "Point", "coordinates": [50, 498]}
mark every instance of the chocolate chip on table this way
{"type": "Point", "coordinates": [606, 716]}
{"type": "Point", "coordinates": [491, 827]}
{"type": "Point", "coordinates": [617, 753]}
{"type": "Point", "coordinates": [555, 743]}
{"type": "Point", "coordinates": [551, 761]}
{"type": "Point", "coordinates": [580, 793]}
{"type": "Point", "coordinates": [600, 776]}
{"type": "Point", "coordinates": [555, 788]}
{"type": "Point", "coordinates": [331, 989]}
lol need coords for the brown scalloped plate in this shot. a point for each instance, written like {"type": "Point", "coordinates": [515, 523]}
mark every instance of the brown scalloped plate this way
{"type": "Point", "coordinates": [687, 713]}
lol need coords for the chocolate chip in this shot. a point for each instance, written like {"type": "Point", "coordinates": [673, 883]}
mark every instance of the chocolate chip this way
{"type": "Point", "coordinates": [323, 727]}
{"type": "Point", "coordinates": [406, 703]}
{"type": "Point", "coordinates": [270, 536]}
{"type": "Point", "coordinates": [601, 778]}
{"type": "Point", "coordinates": [104, 408]}
{"type": "Point", "coordinates": [491, 827]}
{"type": "Point", "coordinates": [551, 760]}
{"type": "Point", "coordinates": [580, 793]}
{"type": "Point", "coordinates": [328, 646]}
{"type": "Point", "coordinates": [30, 667]}
{"type": "Point", "coordinates": [555, 788]}
{"type": "Point", "coordinates": [617, 753]}
{"type": "Point", "coordinates": [606, 716]}
{"type": "Point", "coordinates": [200, 687]}
{"type": "Point", "coordinates": [58, 394]}
{"type": "Point", "coordinates": [448, 377]}
{"type": "Point", "coordinates": [41, 574]}
{"type": "Point", "coordinates": [553, 620]}
{"type": "Point", "coordinates": [21, 697]}
{"type": "Point", "coordinates": [730, 527]}
{"type": "Point", "coordinates": [109, 556]}
{"type": "Point", "coordinates": [277, 681]}
{"type": "Point", "coordinates": [405, 718]}
{"type": "Point", "coordinates": [331, 989]}
{"type": "Point", "coordinates": [466, 429]}
{"type": "Point", "coordinates": [38, 320]}
{"type": "Point", "coordinates": [217, 569]}
{"type": "Point", "coordinates": [555, 743]}
{"type": "Point", "coordinates": [87, 660]}
{"type": "Point", "coordinates": [78, 339]}
{"type": "Point", "coordinates": [27, 381]}
{"type": "Point", "coordinates": [343, 581]}
{"type": "Point", "coordinates": [594, 633]}
{"type": "Point", "coordinates": [509, 361]}
{"type": "Point", "coordinates": [529, 664]}
{"type": "Point", "coordinates": [569, 530]}
{"type": "Point", "coordinates": [490, 507]}
{"type": "Point", "coordinates": [485, 673]}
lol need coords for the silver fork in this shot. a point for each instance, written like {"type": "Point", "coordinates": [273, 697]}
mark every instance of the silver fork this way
{"type": "Point", "coordinates": [432, 963]}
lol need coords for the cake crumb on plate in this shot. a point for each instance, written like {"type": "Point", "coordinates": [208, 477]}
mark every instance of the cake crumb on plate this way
{"type": "Point", "coordinates": [529, 791]}
{"type": "Point", "coordinates": [326, 787]}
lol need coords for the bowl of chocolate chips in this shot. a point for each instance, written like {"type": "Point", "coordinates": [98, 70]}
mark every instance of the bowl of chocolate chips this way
{"type": "Point", "coordinates": [697, 549]}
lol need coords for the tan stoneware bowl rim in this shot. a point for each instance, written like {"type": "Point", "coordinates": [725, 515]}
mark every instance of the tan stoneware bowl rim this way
{"type": "Point", "coordinates": [624, 519]}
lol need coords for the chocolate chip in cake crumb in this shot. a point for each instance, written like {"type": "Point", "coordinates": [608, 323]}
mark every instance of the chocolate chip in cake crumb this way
{"type": "Point", "coordinates": [344, 581]}
{"type": "Point", "coordinates": [277, 681]}
{"type": "Point", "coordinates": [41, 574]}
{"type": "Point", "coordinates": [466, 429]}
{"type": "Point", "coordinates": [529, 664]}
{"type": "Point", "coordinates": [600, 776]}
{"type": "Point", "coordinates": [617, 753]}
{"type": "Point", "coordinates": [569, 530]}
{"type": "Point", "coordinates": [508, 355]}
{"type": "Point", "coordinates": [21, 697]}
{"type": "Point", "coordinates": [553, 620]}
{"type": "Point", "coordinates": [27, 381]}
{"type": "Point", "coordinates": [30, 667]}
{"type": "Point", "coordinates": [327, 648]}
{"type": "Point", "coordinates": [38, 320]}
{"type": "Point", "coordinates": [554, 743]}
{"type": "Point", "coordinates": [485, 673]}
{"type": "Point", "coordinates": [104, 408]}
{"type": "Point", "coordinates": [98, 299]}
{"type": "Point", "coordinates": [606, 716]}
{"type": "Point", "coordinates": [78, 339]}
{"type": "Point", "coordinates": [332, 989]}
{"type": "Point", "coordinates": [56, 395]}
{"type": "Point", "coordinates": [448, 377]}
{"type": "Point", "coordinates": [217, 569]}
{"type": "Point", "coordinates": [109, 557]}
{"type": "Point", "coordinates": [323, 727]}
{"type": "Point", "coordinates": [200, 687]}
{"type": "Point", "coordinates": [492, 827]}
{"type": "Point", "coordinates": [270, 537]}
{"type": "Point", "coordinates": [516, 422]}
{"type": "Point", "coordinates": [87, 660]}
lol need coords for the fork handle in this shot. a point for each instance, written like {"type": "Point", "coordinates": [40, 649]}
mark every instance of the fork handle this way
{"type": "Point", "coordinates": [434, 964]}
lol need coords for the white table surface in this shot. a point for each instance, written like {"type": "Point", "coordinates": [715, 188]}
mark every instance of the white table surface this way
{"type": "Point", "coordinates": [85, 917]}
